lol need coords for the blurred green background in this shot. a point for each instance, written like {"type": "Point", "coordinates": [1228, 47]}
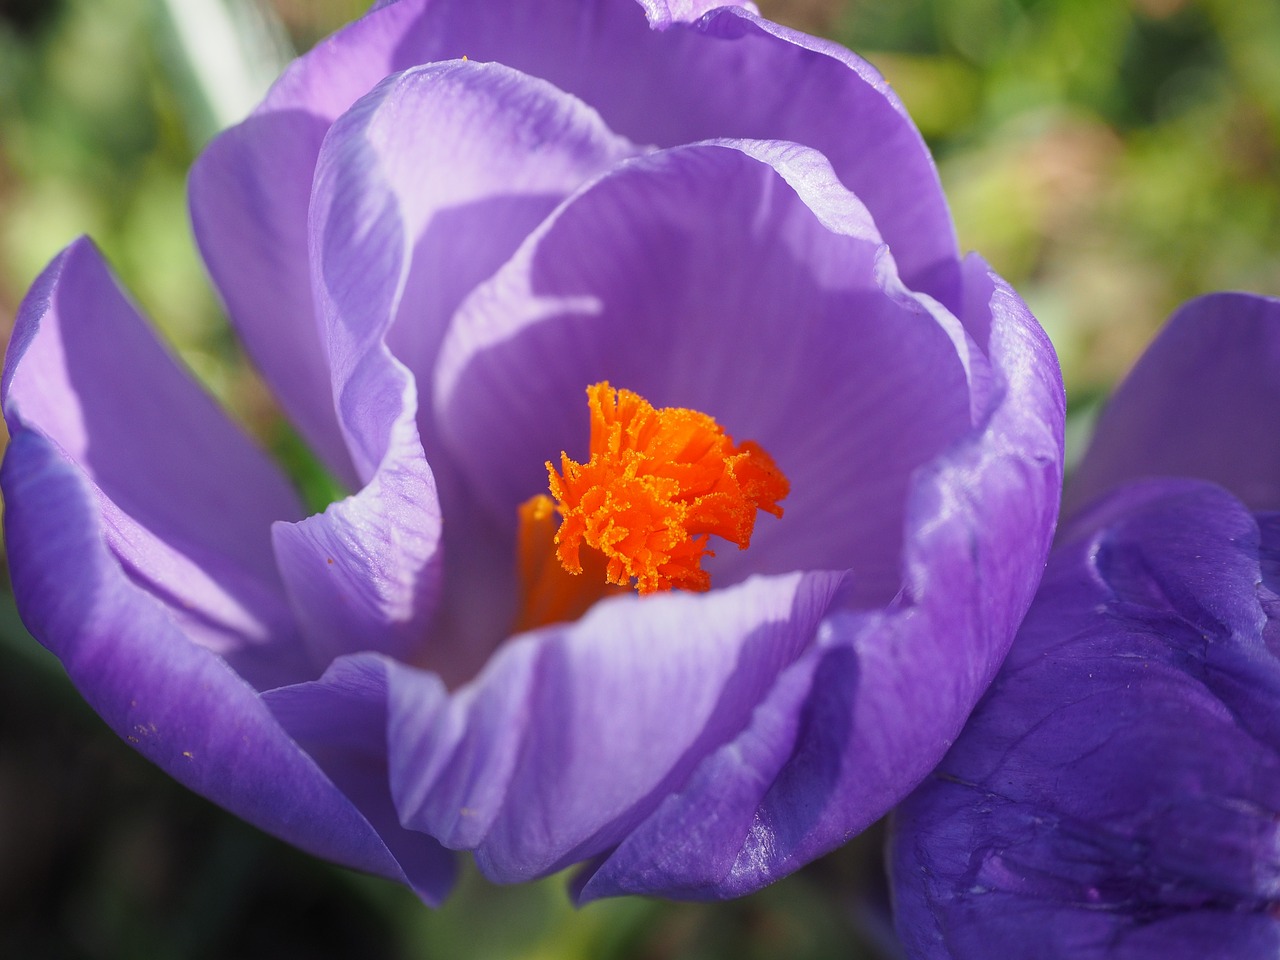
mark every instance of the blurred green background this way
{"type": "Point", "coordinates": [1111, 158]}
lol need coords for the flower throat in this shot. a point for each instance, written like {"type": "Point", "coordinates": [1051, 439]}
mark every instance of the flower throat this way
{"type": "Point", "coordinates": [639, 512]}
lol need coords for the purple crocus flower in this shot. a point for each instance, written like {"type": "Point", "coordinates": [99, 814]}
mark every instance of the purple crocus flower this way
{"type": "Point", "coordinates": [1117, 792]}
{"type": "Point", "coordinates": [442, 227]}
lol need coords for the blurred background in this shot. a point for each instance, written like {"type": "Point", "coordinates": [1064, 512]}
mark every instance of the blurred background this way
{"type": "Point", "coordinates": [1111, 158]}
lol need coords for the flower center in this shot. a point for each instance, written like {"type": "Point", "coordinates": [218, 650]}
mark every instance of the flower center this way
{"type": "Point", "coordinates": [639, 512]}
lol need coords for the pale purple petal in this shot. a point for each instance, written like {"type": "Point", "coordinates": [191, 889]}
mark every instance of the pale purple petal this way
{"type": "Point", "coordinates": [187, 501]}
{"type": "Point", "coordinates": [249, 194]}
{"type": "Point", "coordinates": [822, 355]}
{"type": "Point", "coordinates": [1116, 792]}
{"type": "Point", "coordinates": [400, 236]}
{"type": "Point", "coordinates": [177, 703]}
{"type": "Point", "coordinates": [471, 157]}
{"type": "Point", "coordinates": [663, 13]}
{"type": "Point", "coordinates": [341, 721]}
{"type": "Point", "coordinates": [572, 734]}
{"type": "Point", "coordinates": [691, 845]}
{"type": "Point", "coordinates": [364, 575]}
{"type": "Point", "coordinates": [1191, 406]}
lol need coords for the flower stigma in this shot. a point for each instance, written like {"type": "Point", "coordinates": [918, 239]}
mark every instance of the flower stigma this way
{"type": "Point", "coordinates": [638, 514]}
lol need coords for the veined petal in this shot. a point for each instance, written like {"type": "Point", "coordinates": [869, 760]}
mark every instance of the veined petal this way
{"type": "Point", "coordinates": [847, 378]}
{"type": "Point", "coordinates": [177, 703]}
{"type": "Point", "coordinates": [186, 500]}
{"type": "Point", "coordinates": [691, 845]}
{"type": "Point", "coordinates": [1116, 791]}
{"type": "Point", "coordinates": [572, 734]}
{"type": "Point", "coordinates": [1215, 365]}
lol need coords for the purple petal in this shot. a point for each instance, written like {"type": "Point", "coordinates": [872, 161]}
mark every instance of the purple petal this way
{"type": "Point", "coordinates": [1115, 793]}
{"type": "Point", "coordinates": [470, 157]}
{"type": "Point", "coordinates": [341, 721]}
{"type": "Point", "coordinates": [663, 13]}
{"type": "Point", "coordinates": [883, 693]}
{"type": "Point", "coordinates": [177, 703]}
{"type": "Point", "coordinates": [1212, 369]}
{"type": "Point", "coordinates": [365, 574]}
{"type": "Point", "coordinates": [627, 283]}
{"type": "Point", "coordinates": [689, 847]}
{"type": "Point", "coordinates": [573, 734]}
{"type": "Point", "coordinates": [186, 499]}
{"type": "Point", "coordinates": [249, 193]}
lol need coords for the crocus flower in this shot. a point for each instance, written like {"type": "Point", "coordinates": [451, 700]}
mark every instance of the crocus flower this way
{"type": "Point", "coordinates": [671, 276]}
{"type": "Point", "coordinates": [1117, 792]}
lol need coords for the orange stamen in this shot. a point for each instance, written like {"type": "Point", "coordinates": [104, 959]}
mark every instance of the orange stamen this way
{"type": "Point", "coordinates": [551, 594]}
{"type": "Point", "coordinates": [658, 484]}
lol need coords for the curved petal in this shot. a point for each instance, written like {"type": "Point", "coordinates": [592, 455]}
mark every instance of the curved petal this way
{"type": "Point", "coordinates": [177, 703]}
{"type": "Point", "coordinates": [341, 721]}
{"type": "Point", "coordinates": [472, 157]}
{"type": "Point", "coordinates": [422, 189]}
{"type": "Point", "coordinates": [868, 711]}
{"type": "Point", "coordinates": [187, 500]}
{"type": "Point", "coordinates": [1213, 367]}
{"type": "Point", "coordinates": [364, 575]}
{"type": "Point", "coordinates": [729, 74]}
{"type": "Point", "coordinates": [573, 734]}
{"type": "Point", "coordinates": [249, 194]}
{"type": "Point", "coordinates": [663, 13]}
{"type": "Point", "coordinates": [809, 345]}
{"type": "Point", "coordinates": [1116, 791]}
{"type": "Point", "coordinates": [689, 847]}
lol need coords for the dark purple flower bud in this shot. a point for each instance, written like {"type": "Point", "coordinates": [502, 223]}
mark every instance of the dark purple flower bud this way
{"type": "Point", "coordinates": [1117, 792]}
{"type": "Point", "coordinates": [442, 227]}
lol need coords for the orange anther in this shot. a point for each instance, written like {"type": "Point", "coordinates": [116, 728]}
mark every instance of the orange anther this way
{"type": "Point", "coordinates": [658, 484]}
